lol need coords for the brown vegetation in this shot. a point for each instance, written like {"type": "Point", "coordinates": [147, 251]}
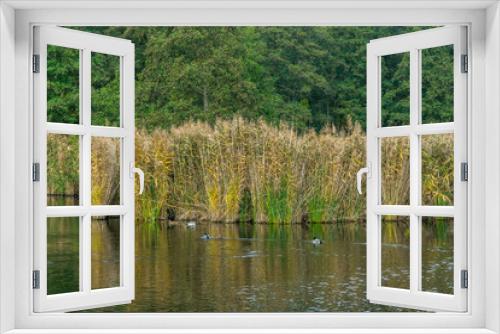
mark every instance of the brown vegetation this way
{"type": "Point", "coordinates": [250, 171]}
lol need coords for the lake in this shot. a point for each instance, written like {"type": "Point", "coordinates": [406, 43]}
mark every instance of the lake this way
{"type": "Point", "coordinates": [247, 267]}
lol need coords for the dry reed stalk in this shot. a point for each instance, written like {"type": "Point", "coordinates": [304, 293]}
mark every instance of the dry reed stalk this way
{"type": "Point", "coordinates": [238, 170]}
{"type": "Point", "coordinates": [105, 171]}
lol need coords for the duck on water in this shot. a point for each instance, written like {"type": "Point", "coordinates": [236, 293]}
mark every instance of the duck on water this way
{"type": "Point", "coordinates": [316, 241]}
{"type": "Point", "coordinates": [206, 236]}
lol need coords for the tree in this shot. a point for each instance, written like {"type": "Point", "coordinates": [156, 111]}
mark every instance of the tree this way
{"type": "Point", "coordinates": [309, 77]}
{"type": "Point", "coordinates": [196, 74]}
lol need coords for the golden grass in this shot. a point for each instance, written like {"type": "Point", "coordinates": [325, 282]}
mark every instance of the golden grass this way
{"type": "Point", "coordinates": [105, 162]}
{"type": "Point", "coordinates": [250, 171]}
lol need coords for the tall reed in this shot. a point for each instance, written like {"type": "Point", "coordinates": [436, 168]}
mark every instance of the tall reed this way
{"type": "Point", "coordinates": [238, 170]}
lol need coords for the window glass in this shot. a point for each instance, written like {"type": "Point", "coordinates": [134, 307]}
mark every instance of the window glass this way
{"type": "Point", "coordinates": [437, 169]}
{"type": "Point", "coordinates": [437, 254]}
{"type": "Point", "coordinates": [105, 90]}
{"type": "Point", "coordinates": [63, 255]}
{"type": "Point", "coordinates": [105, 171]}
{"type": "Point", "coordinates": [395, 88]}
{"type": "Point", "coordinates": [105, 252]}
{"type": "Point", "coordinates": [395, 234]}
{"type": "Point", "coordinates": [395, 170]}
{"type": "Point", "coordinates": [63, 170]}
{"type": "Point", "coordinates": [437, 84]}
{"type": "Point", "coordinates": [63, 85]}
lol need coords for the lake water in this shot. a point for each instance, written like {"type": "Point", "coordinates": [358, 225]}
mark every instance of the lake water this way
{"type": "Point", "coordinates": [247, 267]}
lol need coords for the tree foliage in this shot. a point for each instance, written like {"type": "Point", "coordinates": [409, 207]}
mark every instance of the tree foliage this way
{"type": "Point", "coordinates": [307, 77]}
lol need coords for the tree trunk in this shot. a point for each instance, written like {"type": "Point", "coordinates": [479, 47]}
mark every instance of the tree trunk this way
{"type": "Point", "coordinates": [205, 100]}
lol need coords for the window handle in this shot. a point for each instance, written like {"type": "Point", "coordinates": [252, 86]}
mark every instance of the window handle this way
{"type": "Point", "coordinates": [359, 176]}
{"type": "Point", "coordinates": [134, 170]}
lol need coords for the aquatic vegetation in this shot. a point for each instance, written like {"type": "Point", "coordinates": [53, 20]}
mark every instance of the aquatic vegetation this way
{"type": "Point", "coordinates": [238, 170]}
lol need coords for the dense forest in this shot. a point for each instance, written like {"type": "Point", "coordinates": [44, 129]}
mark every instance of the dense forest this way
{"type": "Point", "coordinates": [308, 77]}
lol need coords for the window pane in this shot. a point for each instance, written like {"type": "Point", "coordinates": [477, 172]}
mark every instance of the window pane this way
{"type": "Point", "coordinates": [395, 251]}
{"type": "Point", "coordinates": [105, 171]}
{"type": "Point", "coordinates": [437, 169]}
{"type": "Point", "coordinates": [63, 166]}
{"type": "Point", "coordinates": [105, 252]}
{"type": "Point", "coordinates": [437, 254]}
{"type": "Point", "coordinates": [395, 92]}
{"type": "Point", "coordinates": [437, 84]}
{"type": "Point", "coordinates": [63, 255]}
{"type": "Point", "coordinates": [105, 90]}
{"type": "Point", "coordinates": [63, 85]}
{"type": "Point", "coordinates": [395, 170]}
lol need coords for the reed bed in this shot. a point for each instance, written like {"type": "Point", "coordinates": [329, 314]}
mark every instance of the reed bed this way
{"type": "Point", "coordinates": [238, 170]}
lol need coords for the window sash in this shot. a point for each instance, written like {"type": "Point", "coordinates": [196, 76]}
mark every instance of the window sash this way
{"type": "Point", "coordinates": [86, 297]}
{"type": "Point", "coordinates": [414, 297]}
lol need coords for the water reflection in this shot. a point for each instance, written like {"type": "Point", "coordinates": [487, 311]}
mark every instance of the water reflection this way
{"type": "Point", "coordinates": [63, 245]}
{"type": "Point", "coordinates": [437, 254]}
{"type": "Point", "coordinates": [253, 268]}
{"type": "Point", "coordinates": [395, 254]}
{"type": "Point", "coordinates": [105, 240]}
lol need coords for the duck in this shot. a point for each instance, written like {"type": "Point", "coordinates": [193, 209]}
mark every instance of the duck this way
{"type": "Point", "coordinates": [206, 236]}
{"type": "Point", "coordinates": [191, 224]}
{"type": "Point", "coordinates": [316, 241]}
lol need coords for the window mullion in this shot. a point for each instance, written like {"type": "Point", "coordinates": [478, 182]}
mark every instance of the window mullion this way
{"type": "Point", "coordinates": [86, 170]}
{"type": "Point", "coordinates": [415, 272]}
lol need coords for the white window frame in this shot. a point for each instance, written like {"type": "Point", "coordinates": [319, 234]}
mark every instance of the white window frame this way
{"type": "Point", "coordinates": [16, 20]}
{"type": "Point", "coordinates": [413, 44]}
{"type": "Point", "coordinates": [86, 44]}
